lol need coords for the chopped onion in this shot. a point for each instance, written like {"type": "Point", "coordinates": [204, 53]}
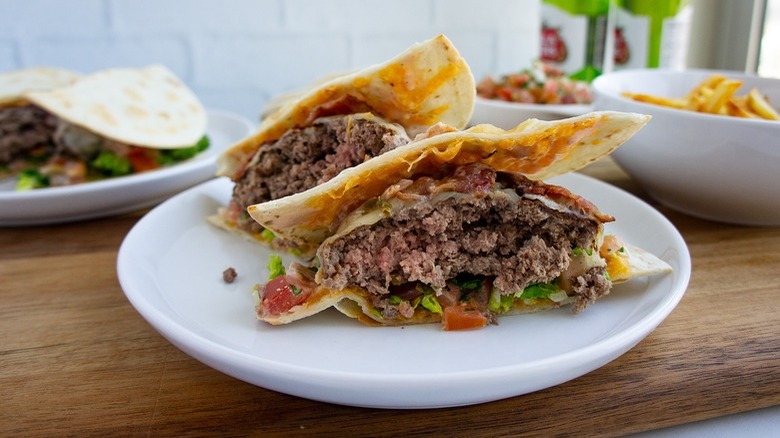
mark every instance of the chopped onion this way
{"type": "Point", "coordinates": [559, 297]}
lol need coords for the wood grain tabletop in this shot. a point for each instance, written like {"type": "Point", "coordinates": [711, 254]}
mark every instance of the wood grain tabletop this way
{"type": "Point", "coordinates": [76, 359]}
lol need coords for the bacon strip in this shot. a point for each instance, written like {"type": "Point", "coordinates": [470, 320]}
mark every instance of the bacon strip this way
{"type": "Point", "coordinates": [479, 179]}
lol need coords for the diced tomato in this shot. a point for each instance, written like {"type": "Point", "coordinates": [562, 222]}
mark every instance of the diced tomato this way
{"type": "Point", "coordinates": [233, 211]}
{"type": "Point", "coordinates": [504, 93]}
{"type": "Point", "coordinates": [278, 296]}
{"type": "Point", "coordinates": [141, 160]}
{"type": "Point", "coordinates": [611, 245]}
{"type": "Point", "coordinates": [76, 171]}
{"type": "Point", "coordinates": [460, 318]}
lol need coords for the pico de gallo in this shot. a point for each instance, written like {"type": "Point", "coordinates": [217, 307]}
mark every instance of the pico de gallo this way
{"type": "Point", "coordinates": [543, 83]}
{"type": "Point", "coordinates": [115, 159]}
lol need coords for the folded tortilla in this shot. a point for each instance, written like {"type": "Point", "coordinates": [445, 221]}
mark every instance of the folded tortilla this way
{"type": "Point", "coordinates": [60, 129]}
{"type": "Point", "coordinates": [148, 107]}
{"type": "Point", "coordinates": [428, 83]}
{"type": "Point", "coordinates": [456, 227]}
{"type": "Point", "coordinates": [15, 84]}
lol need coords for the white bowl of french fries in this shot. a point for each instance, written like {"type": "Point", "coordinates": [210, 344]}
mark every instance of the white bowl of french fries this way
{"type": "Point", "coordinates": [712, 147]}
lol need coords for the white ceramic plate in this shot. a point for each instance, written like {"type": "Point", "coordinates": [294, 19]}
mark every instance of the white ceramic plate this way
{"type": "Point", "coordinates": [507, 115]}
{"type": "Point", "coordinates": [170, 267]}
{"type": "Point", "coordinates": [121, 194]}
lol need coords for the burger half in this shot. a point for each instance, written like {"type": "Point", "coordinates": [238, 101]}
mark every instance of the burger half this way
{"type": "Point", "coordinates": [455, 227]}
{"type": "Point", "coordinates": [112, 123]}
{"type": "Point", "coordinates": [339, 123]}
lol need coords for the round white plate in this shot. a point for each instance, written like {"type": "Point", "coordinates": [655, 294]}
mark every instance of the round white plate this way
{"type": "Point", "coordinates": [170, 267]}
{"type": "Point", "coordinates": [121, 194]}
{"type": "Point", "coordinates": [507, 115]}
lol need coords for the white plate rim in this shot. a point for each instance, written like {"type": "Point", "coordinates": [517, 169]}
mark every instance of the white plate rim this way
{"type": "Point", "coordinates": [573, 109]}
{"type": "Point", "coordinates": [234, 362]}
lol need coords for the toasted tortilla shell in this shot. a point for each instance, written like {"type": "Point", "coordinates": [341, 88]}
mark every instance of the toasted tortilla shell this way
{"type": "Point", "coordinates": [355, 303]}
{"type": "Point", "coordinates": [428, 83]}
{"type": "Point", "coordinates": [537, 149]}
{"type": "Point", "coordinates": [147, 107]}
{"type": "Point", "coordinates": [358, 306]}
{"type": "Point", "coordinates": [640, 263]}
{"type": "Point", "coordinates": [15, 84]}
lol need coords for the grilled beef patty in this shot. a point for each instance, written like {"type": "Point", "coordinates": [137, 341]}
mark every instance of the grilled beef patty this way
{"type": "Point", "coordinates": [303, 158]}
{"type": "Point", "coordinates": [517, 242]}
{"type": "Point", "coordinates": [22, 129]}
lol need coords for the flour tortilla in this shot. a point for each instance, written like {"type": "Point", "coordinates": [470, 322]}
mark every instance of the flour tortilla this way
{"type": "Point", "coordinates": [147, 107]}
{"type": "Point", "coordinates": [428, 83]}
{"type": "Point", "coordinates": [15, 84]}
{"type": "Point", "coordinates": [537, 149]}
{"type": "Point", "coordinates": [356, 303]}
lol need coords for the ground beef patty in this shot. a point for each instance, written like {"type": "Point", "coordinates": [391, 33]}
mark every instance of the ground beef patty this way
{"type": "Point", "coordinates": [303, 158]}
{"type": "Point", "coordinates": [518, 243]}
{"type": "Point", "coordinates": [24, 128]}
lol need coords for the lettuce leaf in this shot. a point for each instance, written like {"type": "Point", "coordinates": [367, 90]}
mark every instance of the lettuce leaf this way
{"type": "Point", "coordinates": [275, 266]}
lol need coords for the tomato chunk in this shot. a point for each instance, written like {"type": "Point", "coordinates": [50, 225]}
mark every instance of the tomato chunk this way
{"type": "Point", "coordinates": [460, 318]}
{"type": "Point", "coordinates": [233, 211]}
{"type": "Point", "coordinates": [612, 244]}
{"type": "Point", "coordinates": [141, 160]}
{"type": "Point", "coordinates": [278, 296]}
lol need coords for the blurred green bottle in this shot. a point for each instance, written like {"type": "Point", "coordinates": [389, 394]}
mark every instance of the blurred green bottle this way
{"type": "Point", "coordinates": [651, 33]}
{"type": "Point", "coordinates": [575, 36]}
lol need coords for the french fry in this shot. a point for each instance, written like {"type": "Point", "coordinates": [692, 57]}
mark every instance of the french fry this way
{"type": "Point", "coordinates": [716, 95]}
{"type": "Point", "coordinates": [757, 102]}
{"type": "Point", "coordinates": [720, 95]}
{"type": "Point", "coordinates": [695, 103]}
{"type": "Point", "coordinates": [707, 84]}
{"type": "Point", "coordinates": [738, 107]}
{"type": "Point", "coordinates": [657, 100]}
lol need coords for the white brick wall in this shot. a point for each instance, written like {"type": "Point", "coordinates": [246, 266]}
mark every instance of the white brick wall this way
{"type": "Point", "coordinates": [237, 54]}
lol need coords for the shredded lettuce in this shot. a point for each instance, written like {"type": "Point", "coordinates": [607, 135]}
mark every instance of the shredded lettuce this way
{"type": "Point", "coordinates": [394, 300]}
{"type": "Point", "coordinates": [538, 290]}
{"type": "Point", "coordinates": [466, 281]}
{"type": "Point", "coordinates": [430, 302]}
{"type": "Point", "coordinates": [171, 156]}
{"type": "Point", "coordinates": [275, 266]}
{"type": "Point", "coordinates": [582, 251]}
{"type": "Point", "coordinates": [427, 299]}
{"type": "Point", "coordinates": [31, 179]}
{"type": "Point", "coordinates": [108, 163]}
{"type": "Point", "coordinates": [500, 303]}
{"type": "Point", "coordinates": [267, 235]}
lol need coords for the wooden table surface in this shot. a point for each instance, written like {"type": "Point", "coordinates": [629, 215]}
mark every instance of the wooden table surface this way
{"type": "Point", "coordinates": [77, 359]}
